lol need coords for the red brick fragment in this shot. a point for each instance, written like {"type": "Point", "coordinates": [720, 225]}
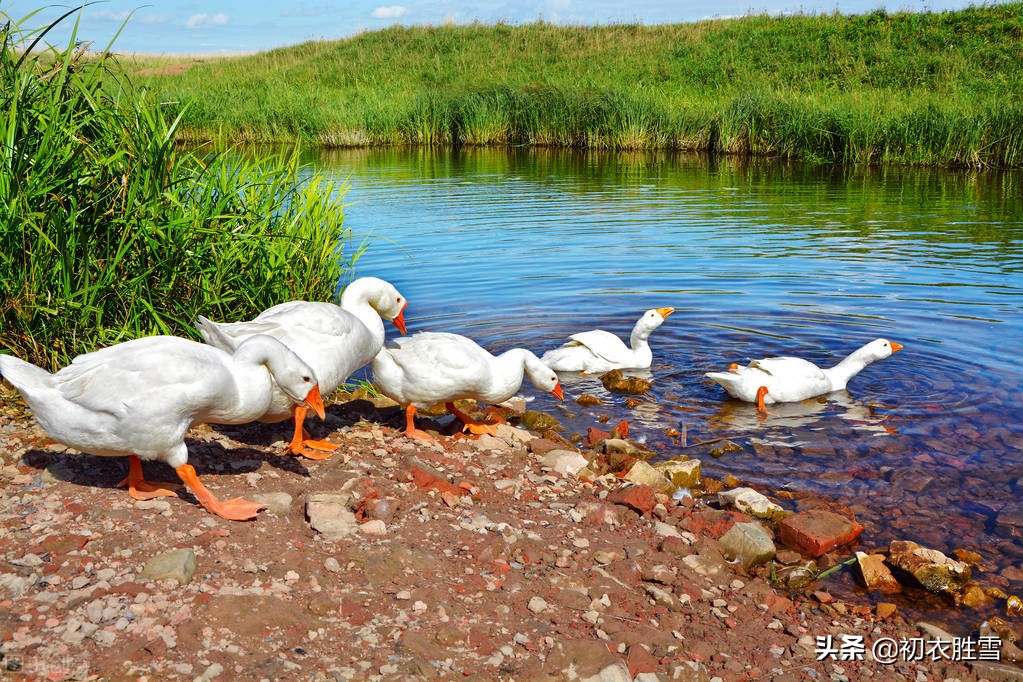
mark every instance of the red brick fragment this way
{"type": "Point", "coordinates": [594, 436]}
{"type": "Point", "coordinates": [638, 497]}
{"type": "Point", "coordinates": [640, 660]}
{"type": "Point", "coordinates": [818, 531]}
{"type": "Point", "coordinates": [449, 492]}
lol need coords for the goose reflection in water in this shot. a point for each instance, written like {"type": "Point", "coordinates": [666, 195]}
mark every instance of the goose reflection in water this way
{"type": "Point", "coordinates": [776, 427]}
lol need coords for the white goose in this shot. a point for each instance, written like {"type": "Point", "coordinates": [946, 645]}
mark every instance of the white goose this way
{"type": "Point", "coordinates": [334, 340]}
{"type": "Point", "coordinates": [599, 351]}
{"type": "Point", "coordinates": [139, 398]}
{"type": "Point", "coordinates": [788, 379]}
{"type": "Point", "coordinates": [435, 367]}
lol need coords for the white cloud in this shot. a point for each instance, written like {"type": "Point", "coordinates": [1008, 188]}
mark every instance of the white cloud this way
{"type": "Point", "coordinates": [206, 20]}
{"type": "Point", "coordinates": [389, 12]}
{"type": "Point", "coordinates": [154, 19]}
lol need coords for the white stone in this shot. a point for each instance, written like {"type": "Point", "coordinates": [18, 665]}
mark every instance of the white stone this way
{"type": "Point", "coordinates": [568, 462]}
{"type": "Point", "coordinates": [374, 527]}
{"type": "Point", "coordinates": [537, 604]}
{"type": "Point", "coordinates": [328, 514]}
{"type": "Point", "coordinates": [751, 502]}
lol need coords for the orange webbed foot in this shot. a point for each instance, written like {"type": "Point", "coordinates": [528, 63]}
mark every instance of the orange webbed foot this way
{"type": "Point", "coordinates": [419, 433]}
{"type": "Point", "coordinates": [410, 425]}
{"type": "Point", "coordinates": [150, 490]}
{"type": "Point", "coordinates": [313, 449]}
{"type": "Point", "coordinates": [480, 428]}
{"type": "Point", "coordinates": [303, 444]}
{"type": "Point", "coordinates": [471, 425]}
{"type": "Point", "coordinates": [141, 489]}
{"type": "Point", "coordinates": [236, 509]}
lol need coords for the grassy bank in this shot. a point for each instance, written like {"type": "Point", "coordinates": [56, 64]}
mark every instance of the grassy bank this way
{"type": "Point", "coordinates": [108, 231]}
{"type": "Point", "coordinates": [933, 89]}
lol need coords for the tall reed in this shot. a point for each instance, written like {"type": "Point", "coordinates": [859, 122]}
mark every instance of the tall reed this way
{"type": "Point", "coordinates": [108, 231]}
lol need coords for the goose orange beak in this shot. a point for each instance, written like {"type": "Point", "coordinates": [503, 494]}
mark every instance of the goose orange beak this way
{"type": "Point", "coordinates": [557, 392]}
{"type": "Point", "coordinates": [314, 401]}
{"type": "Point", "coordinates": [399, 319]}
{"type": "Point", "coordinates": [664, 312]}
{"type": "Point", "coordinates": [896, 347]}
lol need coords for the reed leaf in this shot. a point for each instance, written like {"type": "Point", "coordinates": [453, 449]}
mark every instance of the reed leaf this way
{"type": "Point", "coordinates": [109, 230]}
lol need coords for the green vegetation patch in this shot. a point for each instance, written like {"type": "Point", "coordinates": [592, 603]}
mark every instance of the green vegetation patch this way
{"type": "Point", "coordinates": [108, 231]}
{"type": "Point", "coordinates": [920, 88]}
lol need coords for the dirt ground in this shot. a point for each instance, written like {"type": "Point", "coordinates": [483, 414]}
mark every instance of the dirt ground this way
{"type": "Point", "coordinates": [453, 559]}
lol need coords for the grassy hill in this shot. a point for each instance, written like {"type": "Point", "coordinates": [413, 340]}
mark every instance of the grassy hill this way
{"type": "Point", "coordinates": [935, 89]}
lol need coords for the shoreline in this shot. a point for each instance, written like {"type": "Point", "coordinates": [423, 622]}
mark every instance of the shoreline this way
{"type": "Point", "coordinates": [466, 557]}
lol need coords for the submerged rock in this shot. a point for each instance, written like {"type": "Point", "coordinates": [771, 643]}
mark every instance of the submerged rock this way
{"type": "Point", "coordinates": [930, 568]}
{"type": "Point", "coordinates": [587, 400]}
{"type": "Point", "coordinates": [616, 382]}
{"type": "Point", "coordinates": [875, 574]}
{"type": "Point", "coordinates": [540, 422]}
{"type": "Point", "coordinates": [794, 576]}
{"type": "Point", "coordinates": [725, 448]}
{"type": "Point", "coordinates": [682, 471]}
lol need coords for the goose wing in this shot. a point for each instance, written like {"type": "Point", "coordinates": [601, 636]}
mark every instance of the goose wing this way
{"type": "Point", "coordinates": [603, 344]}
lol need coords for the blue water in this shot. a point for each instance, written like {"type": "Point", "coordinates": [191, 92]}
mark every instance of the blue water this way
{"type": "Point", "coordinates": [520, 248]}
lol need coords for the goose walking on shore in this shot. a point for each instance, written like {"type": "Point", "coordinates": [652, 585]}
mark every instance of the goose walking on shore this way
{"type": "Point", "coordinates": [139, 398]}
{"type": "Point", "coordinates": [334, 340]}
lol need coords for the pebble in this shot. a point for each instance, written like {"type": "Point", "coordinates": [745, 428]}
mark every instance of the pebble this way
{"type": "Point", "coordinates": [178, 564]}
{"type": "Point", "coordinates": [374, 527]}
{"type": "Point", "coordinates": [537, 604]}
{"type": "Point", "coordinates": [332, 565]}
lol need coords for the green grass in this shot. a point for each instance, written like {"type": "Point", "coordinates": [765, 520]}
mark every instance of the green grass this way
{"type": "Point", "coordinates": [109, 231]}
{"type": "Point", "coordinates": [914, 88]}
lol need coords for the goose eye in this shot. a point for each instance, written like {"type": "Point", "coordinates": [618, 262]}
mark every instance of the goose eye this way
{"type": "Point", "coordinates": [306, 379]}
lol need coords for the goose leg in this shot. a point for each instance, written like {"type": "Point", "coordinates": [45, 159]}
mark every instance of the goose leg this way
{"type": "Point", "coordinates": [236, 509]}
{"type": "Point", "coordinates": [300, 442]}
{"type": "Point", "coordinates": [410, 425]}
{"type": "Point", "coordinates": [473, 426]}
{"type": "Point", "coordinates": [761, 407]}
{"type": "Point", "coordinates": [141, 489]}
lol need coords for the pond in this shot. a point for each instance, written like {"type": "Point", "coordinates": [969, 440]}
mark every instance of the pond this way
{"type": "Point", "coordinates": [522, 248]}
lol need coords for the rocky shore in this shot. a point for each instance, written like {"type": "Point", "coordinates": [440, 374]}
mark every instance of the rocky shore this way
{"type": "Point", "coordinates": [516, 556]}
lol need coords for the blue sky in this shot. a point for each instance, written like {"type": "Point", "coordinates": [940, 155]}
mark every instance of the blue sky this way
{"type": "Point", "coordinates": [237, 26]}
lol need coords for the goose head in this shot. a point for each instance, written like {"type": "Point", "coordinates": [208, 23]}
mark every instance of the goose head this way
{"type": "Point", "coordinates": [543, 377]}
{"type": "Point", "coordinates": [290, 372]}
{"type": "Point", "coordinates": [878, 349]}
{"type": "Point", "coordinates": [389, 302]}
{"type": "Point", "coordinates": [651, 320]}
